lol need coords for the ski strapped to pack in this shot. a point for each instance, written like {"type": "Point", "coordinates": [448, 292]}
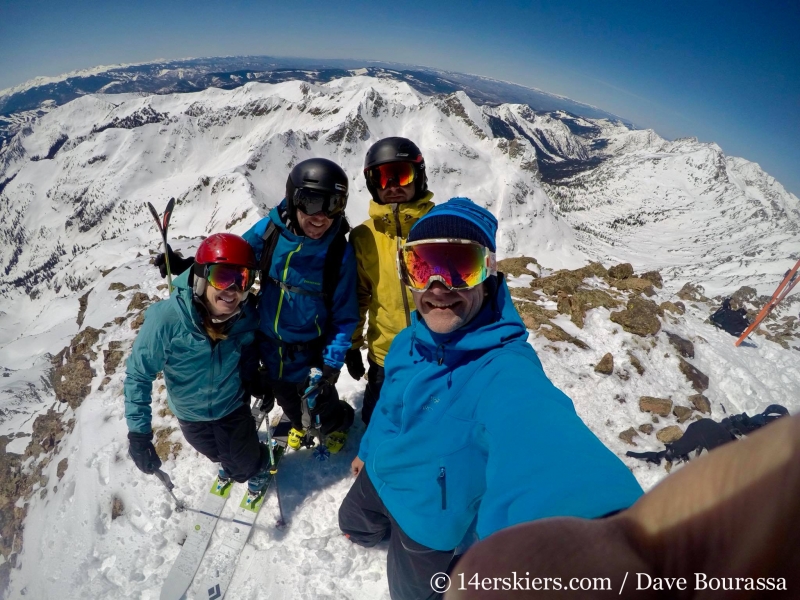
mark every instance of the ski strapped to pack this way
{"type": "Point", "coordinates": [790, 279]}
{"type": "Point", "coordinates": [163, 227]}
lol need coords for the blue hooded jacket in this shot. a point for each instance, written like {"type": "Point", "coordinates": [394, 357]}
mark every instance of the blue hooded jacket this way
{"type": "Point", "coordinates": [295, 318]}
{"type": "Point", "coordinates": [204, 380]}
{"type": "Point", "coordinates": [468, 426]}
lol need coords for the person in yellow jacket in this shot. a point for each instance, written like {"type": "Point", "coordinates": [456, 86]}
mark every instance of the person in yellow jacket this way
{"type": "Point", "coordinates": [395, 174]}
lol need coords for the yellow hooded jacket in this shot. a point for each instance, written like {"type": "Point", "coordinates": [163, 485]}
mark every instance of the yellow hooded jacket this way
{"type": "Point", "coordinates": [380, 291]}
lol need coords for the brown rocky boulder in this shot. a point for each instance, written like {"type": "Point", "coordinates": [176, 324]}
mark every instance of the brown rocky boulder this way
{"type": "Point", "coordinates": [593, 269]}
{"type": "Point", "coordinates": [606, 365]}
{"type": "Point", "coordinates": [628, 435]}
{"type": "Point", "coordinates": [742, 295]}
{"type": "Point", "coordinates": [696, 377]}
{"type": "Point", "coordinates": [622, 271]}
{"type": "Point", "coordinates": [647, 428]}
{"type": "Point", "coordinates": [140, 301]}
{"type": "Point", "coordinates": [665, 307]}
{"type": "Point", "coordinates": [533, 315]}
{"type": "Point", "coordinates": [692, 293]}
{"type": "Point", "coordinates": [684, 413]}
{"type": "Point", "coordinates": [653, 277]}
{"type": "Point", "coordinates": [700, 403]}
{"type": "Point", "coordinates": [639, 318]}
{"type": "Point", "coordinates": [656, 406]}
{"type": "Point", "coordinates": [669, 434]}
{"type": "Point", "coordinates": [560, 281]}
{"type": "Point", "coordinates": [634, 284]}
{"type": "Point", "coordinates": [517, 266]}
{"type": "Point", "coordinates": [636, 363]}
{"type": "Point", "coordinates": [684, 347]}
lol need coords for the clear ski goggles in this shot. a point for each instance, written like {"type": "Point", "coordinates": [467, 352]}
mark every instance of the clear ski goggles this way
{"type": "Point", "coordinates": [313, 202]}
{"type": "Point", "coordinates": [401, 173]}
{"type": "Point", "coordinates": [458, 264]}
{"type": "Point", "coordinates": [223, 276]}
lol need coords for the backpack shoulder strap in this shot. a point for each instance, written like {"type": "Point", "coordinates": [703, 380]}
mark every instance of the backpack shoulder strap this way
{"type": "Point", "coordinates": [333, 264]}
{"type": "Point", "coordinates": [270, 238]}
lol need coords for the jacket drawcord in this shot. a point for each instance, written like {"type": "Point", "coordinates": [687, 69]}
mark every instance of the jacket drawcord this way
{"type": "Point", "coordinates": [413, 340]}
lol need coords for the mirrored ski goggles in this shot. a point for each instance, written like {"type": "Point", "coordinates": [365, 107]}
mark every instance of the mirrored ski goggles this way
{"type": "Point", "coordinates": [312, 202]}
{"type": "Point", "coordinates": [222, 276]}
{"type": "Point", "coordinates": [458, 264]}
{"type": "Point", "coordinates": [401, 173]}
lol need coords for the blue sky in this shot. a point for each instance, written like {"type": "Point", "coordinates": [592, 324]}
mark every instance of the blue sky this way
{"type": "Point", "coordinates": [727, 72]}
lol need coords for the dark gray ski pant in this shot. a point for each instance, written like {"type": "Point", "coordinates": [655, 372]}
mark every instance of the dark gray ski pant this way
{"type": "Point", "coordinates": [365, 520]}
{"type": "Point", "coordinates": [231, 441]}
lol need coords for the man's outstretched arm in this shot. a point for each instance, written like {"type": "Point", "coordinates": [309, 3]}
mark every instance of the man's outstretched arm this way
{"type": "Point", "coordinates": [734, 513]}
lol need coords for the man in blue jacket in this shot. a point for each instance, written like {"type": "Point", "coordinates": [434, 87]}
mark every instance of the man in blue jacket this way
{"type": "Point", "coordinates": [468, 436]}
{"type": "Point", "coordinates": [308, 306]}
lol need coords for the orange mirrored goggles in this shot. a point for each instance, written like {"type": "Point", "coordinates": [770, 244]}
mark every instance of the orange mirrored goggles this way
{"type": "Point", "coordinates": [397, 173]}
{"type": "Point", "coordinates": [458, 264]}
{"type": "Point", "coordinates": [222, 276]}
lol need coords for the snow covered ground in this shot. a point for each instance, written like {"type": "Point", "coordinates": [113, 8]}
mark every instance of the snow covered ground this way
{"type": "Point", "coordinates": [75, 549]}
{"type": "Point", "coordinates": [72, 224]}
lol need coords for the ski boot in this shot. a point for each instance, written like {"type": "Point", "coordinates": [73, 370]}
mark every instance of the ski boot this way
{"type": "Point", "coordinates": [295, 438]}
{"type": "Point", "coordinates": [258, 482]}
{"type": "Point", "coordinates": [223, 479]}
{"type": "Point", "coordinates": [335, 441]}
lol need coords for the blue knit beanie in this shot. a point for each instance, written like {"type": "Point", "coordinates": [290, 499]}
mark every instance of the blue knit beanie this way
{"type": "Point", "coordinates": [458, 218]}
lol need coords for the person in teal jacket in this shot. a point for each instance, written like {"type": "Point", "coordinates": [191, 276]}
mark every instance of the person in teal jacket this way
{"type": "Point", "coordinates": [308, 305]}
{"type": "Point", "coordinates": [202, 338]}
{"type": "Point", "coordinates": [469, 435]}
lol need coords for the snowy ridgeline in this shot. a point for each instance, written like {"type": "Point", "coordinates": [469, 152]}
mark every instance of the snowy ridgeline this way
{"type": "Point", "coordinates": [76, 241]}
{"type": "Point", "coordinates": [97, 528]}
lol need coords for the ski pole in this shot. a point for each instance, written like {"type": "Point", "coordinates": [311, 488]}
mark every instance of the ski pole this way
{"type": "Point", "coordinates": [272, 468]}
{"type": "Point", "coordinates": [164, 478]}
{"type": "Point", "coordinates": [281, 522]}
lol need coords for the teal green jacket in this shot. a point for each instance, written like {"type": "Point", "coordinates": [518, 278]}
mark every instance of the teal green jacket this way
{"type": "Point", "coordinates": [204, 380]}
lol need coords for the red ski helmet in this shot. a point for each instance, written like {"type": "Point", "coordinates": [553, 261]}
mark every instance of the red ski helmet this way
{"type": "Point", "coordinates": [226, 248]}
{"type": "Point", "coordinates": [221, 248]}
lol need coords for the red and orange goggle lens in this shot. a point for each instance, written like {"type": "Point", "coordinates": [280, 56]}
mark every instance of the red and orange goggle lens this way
{"type": "Point", "coordinates": [458, 264]}
{"type": "Point", "coordinates": [397, 173]}
{"type": "Point", "coordinates": [222, 276]}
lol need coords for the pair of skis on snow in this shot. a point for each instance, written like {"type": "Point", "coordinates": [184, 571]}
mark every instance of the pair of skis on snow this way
{"type": "Point", "coordinates": [791, 279]}
{"type": "Point", "coordinates": [222, 565]}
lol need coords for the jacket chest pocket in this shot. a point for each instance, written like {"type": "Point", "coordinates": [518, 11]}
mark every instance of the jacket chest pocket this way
{"type": "Point", "coordinates": [461, 478]}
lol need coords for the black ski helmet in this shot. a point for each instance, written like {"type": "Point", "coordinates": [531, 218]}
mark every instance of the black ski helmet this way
{"type": "Point", "coordinates": [317, 174]}
{"type": "Point", "coordinates": [396, 149]}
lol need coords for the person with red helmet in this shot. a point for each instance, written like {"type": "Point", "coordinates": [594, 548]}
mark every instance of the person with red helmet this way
{"type": "Point", "coordinates": [202, 340]}
{"type": "Point", "coordinates": [307, 304]}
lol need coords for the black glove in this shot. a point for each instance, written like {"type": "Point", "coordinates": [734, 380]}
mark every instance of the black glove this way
{"type": "Point", "coordinates": [177, 264]}
{"type": "Point", "coordinates": [143, 453]}
{"type": "Point", "coordinates": [354, 363]}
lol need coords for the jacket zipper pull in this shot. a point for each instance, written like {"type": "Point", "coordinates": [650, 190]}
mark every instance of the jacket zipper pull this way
{"type": "Point", "coordinates": [442, 480]}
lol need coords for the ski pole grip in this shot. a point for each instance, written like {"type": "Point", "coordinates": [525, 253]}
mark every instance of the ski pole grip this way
{"type": "Point", "coordinates": [164, 479]}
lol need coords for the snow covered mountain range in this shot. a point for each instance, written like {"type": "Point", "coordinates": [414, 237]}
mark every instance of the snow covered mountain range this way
{"type": "Point", "coordinates": [23, 102]}
{"type": "Point", "coordinates": [75, 242]}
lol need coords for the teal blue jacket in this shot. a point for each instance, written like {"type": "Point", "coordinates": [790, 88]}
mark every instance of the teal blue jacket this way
{"type": "Point", "coordinates": [468, 428]}
{"type": "Point", "coordinates": [204, 380]}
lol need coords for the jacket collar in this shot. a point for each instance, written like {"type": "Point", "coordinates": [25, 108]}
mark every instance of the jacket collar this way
{"type": "Point", "coordinates": [497, 324]}
{"type": "Point", "coordinates": [408, 212]}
